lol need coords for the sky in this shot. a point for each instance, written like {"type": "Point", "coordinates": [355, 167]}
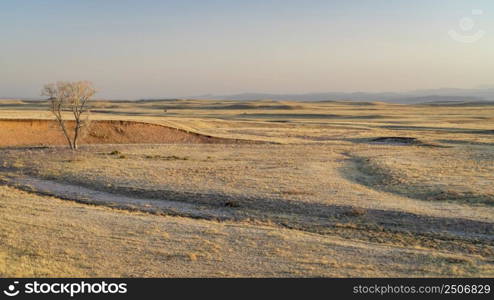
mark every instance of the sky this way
{"type": "Point", "coordinates": [158, 49]}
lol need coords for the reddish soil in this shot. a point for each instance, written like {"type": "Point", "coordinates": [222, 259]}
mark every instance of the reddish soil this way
{"type": "Point", "coordinates": [29, 132]}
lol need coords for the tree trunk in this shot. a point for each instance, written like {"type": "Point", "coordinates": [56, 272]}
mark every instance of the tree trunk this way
{"type": "Point", "coordinates": [76, 135]}
{"type": "Point", "coordinates": [66, 134]}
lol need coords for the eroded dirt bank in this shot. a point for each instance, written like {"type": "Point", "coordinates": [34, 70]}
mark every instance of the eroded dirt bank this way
{"type": "Point", "coordinates": [33, 132]}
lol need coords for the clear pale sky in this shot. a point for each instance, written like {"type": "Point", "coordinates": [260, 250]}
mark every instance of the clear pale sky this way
{"type": "Point", "coordinates": [141, 49]}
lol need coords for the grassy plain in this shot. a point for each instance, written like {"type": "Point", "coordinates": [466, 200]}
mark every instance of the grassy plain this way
{"type": "Point", "coordinates": [320, 194]}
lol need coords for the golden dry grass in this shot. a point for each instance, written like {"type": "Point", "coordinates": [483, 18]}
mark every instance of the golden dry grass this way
{"type": "Point", "coordinates": [423, 209]}
{"type": "Point", "coordinates": [48, 237]}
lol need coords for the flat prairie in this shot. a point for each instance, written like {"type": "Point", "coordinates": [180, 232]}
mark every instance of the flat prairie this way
{"type": "Point", "coordinates": [203, 188]}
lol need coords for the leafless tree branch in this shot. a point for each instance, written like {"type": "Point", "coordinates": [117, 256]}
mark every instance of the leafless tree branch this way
{"type": "Point", "coordinates": [70, 97]}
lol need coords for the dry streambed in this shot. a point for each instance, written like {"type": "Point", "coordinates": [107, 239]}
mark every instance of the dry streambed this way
{"type": "Point", "coordinates": [389, 224]}
{"type": "Point", "coordinates": [315, 219]}
{"type": "Point", "coordinates": [388, 227]}
{"type": "Point", "coordinates": [442, 175]}
{"type": "Point", "coordinates": [47, 237]}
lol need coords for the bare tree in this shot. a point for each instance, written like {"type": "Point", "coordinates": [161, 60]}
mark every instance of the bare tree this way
{"type": "Point", "coordinates": [71, 97]}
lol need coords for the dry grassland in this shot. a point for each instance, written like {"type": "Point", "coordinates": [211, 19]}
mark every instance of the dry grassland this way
{"type": "Point", "coordinates": [319, 194]}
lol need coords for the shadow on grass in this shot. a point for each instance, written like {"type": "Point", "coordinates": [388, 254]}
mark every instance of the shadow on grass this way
{"type": "Point", "coordinates": [394, 141]}
{"type": "Point", "coordinates": [308, 216]}
{"type": "Point", "coordinates": [380, 179]}
{"type": "Point", "coordinates": [308, 116]}
{"type": "Point", "coordinates": [439, 129]}
{"type": "Point", "coordinates": [464, 142]}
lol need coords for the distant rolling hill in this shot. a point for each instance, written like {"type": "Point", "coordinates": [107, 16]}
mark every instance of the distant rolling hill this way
{"type": "Point", "coordinates": [412, 97]}
{"type": "Point", "coordinates": [445, 96]}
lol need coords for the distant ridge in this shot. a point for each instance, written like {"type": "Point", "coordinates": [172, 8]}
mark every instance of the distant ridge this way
{"type": "Point", "coordinates": [412, 97]}
{"type": "Point", "coordinates": [444, 95]}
